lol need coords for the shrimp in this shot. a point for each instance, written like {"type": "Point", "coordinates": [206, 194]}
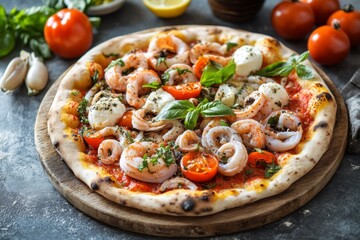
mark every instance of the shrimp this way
{"type": "Point", "coordinates": [166, 51]}
{"type": "Point", "coordinates": [109, 151]}
{"type": "Point", "coordinates": [177, 183]}
{"type": "Point", "coordinates": [178, 74]}
{"type": "Point", "coordinates": [218, 136]}
{"type": "Point", "coordinates": [207, 49]}
{"type": "Point", "coordinates": [276, 97]}
{"type": "Point", "coordinates": [233, 157]}
{"type": "Point", "coordinates": [252, 104]}
{"type": "Point", "coordinates": [175, 130]}
{"type": "Point", "coordinates": [123, 136]}
{"type": "Point", "coordinates": [251, 132]}
{"type": "Point", "coordinates": [142, 124]}
{"type": "Point", "coordinates": [206, 125]}
{"type": "Point", "coordinates": [148, 162]}
{"type": "Point", "coordinates": [283, 130]}
{"type": "Point", "coordinates": [134, 89]}
{"type": "Point", "coordinates": [189, 141]}
{"type": "Point", "coordinates": [118, 74]}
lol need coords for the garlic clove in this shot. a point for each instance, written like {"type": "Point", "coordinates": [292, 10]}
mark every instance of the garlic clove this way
{"type": "Point", "coordinates": [14, 74]}
{"type": "Point", "coordinates": [37, 76]}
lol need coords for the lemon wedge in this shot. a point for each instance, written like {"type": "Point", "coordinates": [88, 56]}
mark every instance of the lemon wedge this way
{"type": "Point", "coordinates": [167, 8]}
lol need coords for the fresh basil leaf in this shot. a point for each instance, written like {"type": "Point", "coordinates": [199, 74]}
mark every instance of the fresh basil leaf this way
{"type": "Point", "coordinates": [191, 119]}
{"type": "Point", "coordinates": [284, 71]}
{"type": "Point", "coordinates": [153, 85]}
{"type": "Point", "coordinates": [271, 70]}
{"type": "Point", "coordinates": [228, 71]}
{"type": "Point", "coordinates": [303, 57]}
{"type": "Point", "coordinates": [224, 123]}
{"type": "Point", "coordinates": [182, 71]}
{"type": "Point", "coordinates": [215, 74]}
{"type": "Point", "coordinates": [199, 106]}
{"type": "Point", "coordinates": [304, 72]}
{"type": "Point", "coordinates": [175, 110]}
{"type": "Point", "coordinates": [218, 109]}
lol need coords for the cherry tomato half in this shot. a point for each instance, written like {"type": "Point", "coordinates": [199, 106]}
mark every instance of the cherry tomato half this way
{"type": "Point", "coordinates": [328, 45]}
{"type": "Point", "coordinates": [292, 20]}
{"type": "Point", "coordinates": [184, 91]}
{"type": "Point", "coordinates": [349, 22]}
{"type": "Point", "coordinates": [322, 9]}
{"type": "Point", "coordinates": [199, 166]}
{"type": "Point", "coordinates": [257, 158]}
{"type": "Point", "coordinates": [68, 33]}
{"type": "Point", "coordinates": [91, 139]}
{"type": "Point", "coordinates": [126, 120]}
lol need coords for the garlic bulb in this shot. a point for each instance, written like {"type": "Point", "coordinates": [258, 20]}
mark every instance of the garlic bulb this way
{"type": "Point", "coordinates": [14, 74]}
{"type": "Point", "coordinates": [37, 76]}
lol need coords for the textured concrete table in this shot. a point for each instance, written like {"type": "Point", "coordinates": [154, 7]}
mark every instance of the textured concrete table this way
{"type": "Point", "coordinates": [30, 208]}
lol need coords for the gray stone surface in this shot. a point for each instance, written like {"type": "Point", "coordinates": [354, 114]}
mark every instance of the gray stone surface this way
{"type": "Point", "coordinates": [30, 208]}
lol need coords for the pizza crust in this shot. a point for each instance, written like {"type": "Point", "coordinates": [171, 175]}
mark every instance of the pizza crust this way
{"type": "Point", "coordinates": [70, 144]}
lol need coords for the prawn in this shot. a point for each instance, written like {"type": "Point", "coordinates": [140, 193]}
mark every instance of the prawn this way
{"type": "Point", "coordinates": [212, 49]}
{"type": "Point", "coordinates": [251, 132]}
{"type": "Point", "coordinates": [167, 50]}
{"type": "Point", "coordinates": [252, 105]}
{"type": "Point", "coordinates": [118, 74]}
{"type": "Point", "coordinates": [140, 123]}
{"type": "Point", "coordinates": [283, 130]}
{"type": "Point", "coordinates": [109, 151]}
{"type": "Point", "coordinates": [189, 141]}
{"type": "Point", "coordinates": [178, 74]}
{"type": "Point", "coordinates": [233, 157]}
{"type": "Point", "coordinates": [134, 88]}
{"type": "Point", "coordinates": [148, 162]}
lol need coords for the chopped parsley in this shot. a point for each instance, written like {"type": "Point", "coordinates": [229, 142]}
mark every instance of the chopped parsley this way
{"type": "Point", "coordinates": [82, 111]}
{"type": "Point", "coordinates": [113, 63]}
{"type": "Point", "coordinates": [230, 45]}
{"type": "Point", "coordinates": [271, 169]}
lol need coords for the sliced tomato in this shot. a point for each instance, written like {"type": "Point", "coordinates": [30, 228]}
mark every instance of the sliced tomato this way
{"type": "Point", "coordinates": [198, 166]}
{"type": "Point", "coordinates": [126, 120]}
{"type": "Point", "coordinates": [199, 66]}
{"type": "Point", "coordinates": [256, 159]}
{"type": "Point", "coordinates": [91, 139]}
{"type": "Point", "coordinates": [184, 91]}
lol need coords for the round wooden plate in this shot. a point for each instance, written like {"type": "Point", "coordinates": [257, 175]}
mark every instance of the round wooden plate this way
{"type": "Point", "coordinates": [237, 219]}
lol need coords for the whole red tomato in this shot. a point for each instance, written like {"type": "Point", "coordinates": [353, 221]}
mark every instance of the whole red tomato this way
{"type": "Point", "coordinates": [328, 45]}
{"type": "Point", "coordinates": [68, 33]}
{"type": "Point", "coordinates": [292, 19]}
{"type": "Point", "coordinates": [349, 22]}
{"type": "Point", "coordinates": [322, 9]}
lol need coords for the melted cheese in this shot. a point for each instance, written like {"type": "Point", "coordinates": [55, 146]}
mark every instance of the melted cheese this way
{"type": "Point", "coordinates": [157, 100]}
{"type": "Point", "coordinates": [248, 59]}
{"type": "Point", "coordinates": [106, 112]}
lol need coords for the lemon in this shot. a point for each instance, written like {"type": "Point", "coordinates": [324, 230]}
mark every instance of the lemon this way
{"type": "Point", "coordinates": [167, 8]}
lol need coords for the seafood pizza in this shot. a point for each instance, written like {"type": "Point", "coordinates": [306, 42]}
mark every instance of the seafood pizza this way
{"type": "Point", "coordinates": [191, 120]}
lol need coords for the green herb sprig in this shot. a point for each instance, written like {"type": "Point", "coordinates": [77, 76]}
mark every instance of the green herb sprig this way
{"type": "Point", "coordinates": [184, 109]}
{"type": "Point", "coordinates": [216, 74]}
{"type": "Point", "coordinates": [283, 69]}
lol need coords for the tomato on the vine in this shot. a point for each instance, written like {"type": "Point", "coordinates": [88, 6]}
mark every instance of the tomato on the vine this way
{"type": "Point", "coordinates": [322, 9]}
{"type": "Point", "coordinates": [184, 91]}
{"type": "Point", "coordinates": [68, 33]}
{"type": "Point", "coordinates": [199, 166]}
{"type": "Point", "coordinates": [349, 20]}
{"type": "Point", "coordinates": [328, 45]}
{"type": "Point", "coordinates": [292, 19]}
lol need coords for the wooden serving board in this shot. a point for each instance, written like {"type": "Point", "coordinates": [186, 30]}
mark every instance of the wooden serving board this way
{"type": "Point", "coordinates": [229, 221]}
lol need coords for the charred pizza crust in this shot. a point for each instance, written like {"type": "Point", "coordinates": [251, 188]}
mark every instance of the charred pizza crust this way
{"type": "Point", "coordinates": [63, 123]}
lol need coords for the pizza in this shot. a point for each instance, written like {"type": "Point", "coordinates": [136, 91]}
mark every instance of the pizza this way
{"type": "Point", "coordinates": [191, 120]}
